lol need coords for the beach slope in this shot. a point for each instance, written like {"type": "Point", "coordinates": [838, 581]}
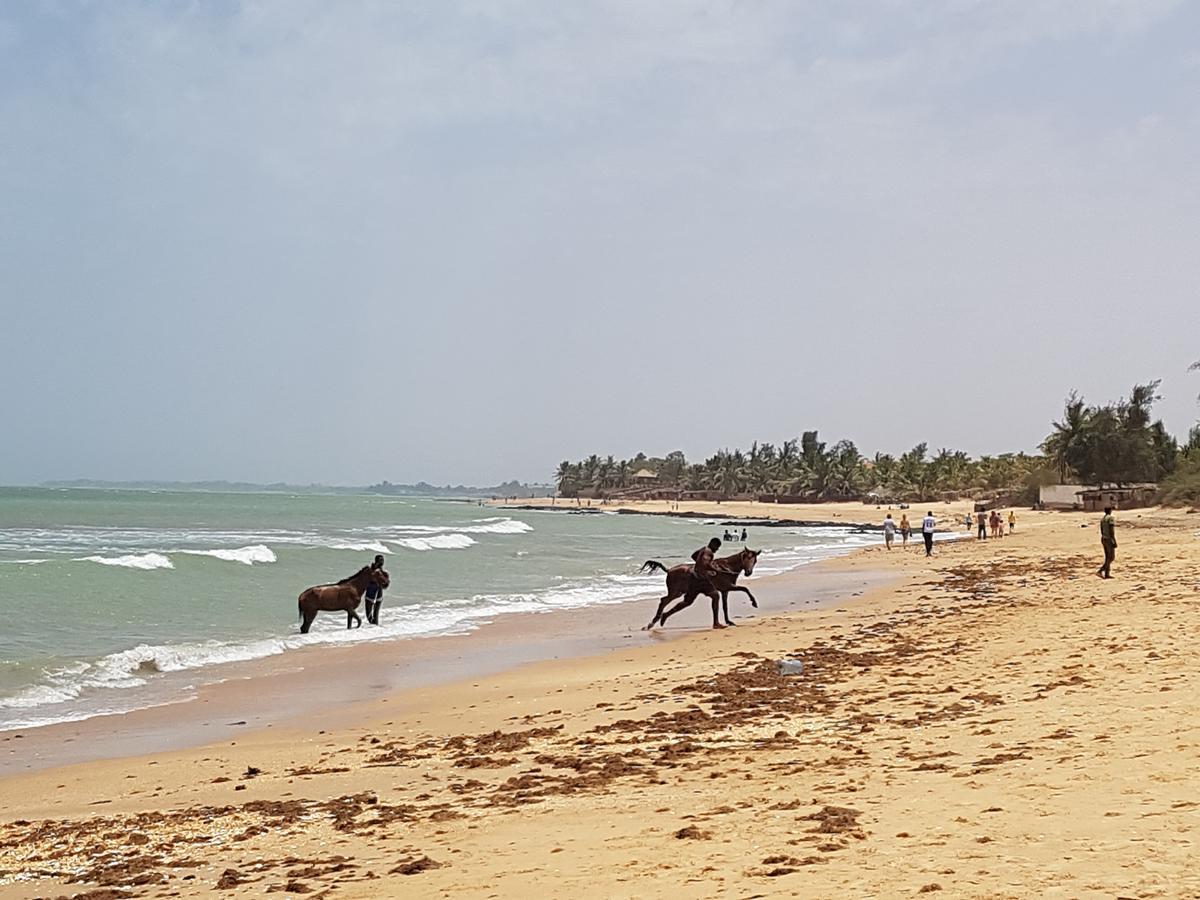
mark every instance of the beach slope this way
{"type": "Point", "coordinates": [999, 722]}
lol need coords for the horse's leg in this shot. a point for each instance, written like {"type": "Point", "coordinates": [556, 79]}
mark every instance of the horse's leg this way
{"type": "Point", "coordinates": [746, 591]}
{"type": "Point", "coordinates": [351, 617]}
{"type": "Point", "coordinates": [309, 615]}
{"type": "Point", "coordinates": [687, 601]}
{"type": "Point", "coordinates": [662, 604]}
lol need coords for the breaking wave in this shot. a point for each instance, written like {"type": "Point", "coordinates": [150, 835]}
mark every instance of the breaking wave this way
{"type": "Point", "coordinates": [144, 561]}
{"type": "Point", "coordinates": [360, 546]}
{"type": "Point", "coordinates": [259, 553]}
{"type": "Point", "coordinates": [452, 541]}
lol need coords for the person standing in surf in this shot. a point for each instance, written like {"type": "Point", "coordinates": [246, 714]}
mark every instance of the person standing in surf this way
{"type": "Point", "coordinates": [374, 596]}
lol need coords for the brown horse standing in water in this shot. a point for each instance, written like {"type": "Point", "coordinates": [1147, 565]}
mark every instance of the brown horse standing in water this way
{"type": "Point", "coordinates": [346, 594]}
{"type": "Point", "coordinates": [680, 583]}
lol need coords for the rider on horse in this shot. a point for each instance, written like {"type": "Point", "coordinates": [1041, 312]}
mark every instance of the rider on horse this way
{"type": "Point", "coordinates": [704, 568]}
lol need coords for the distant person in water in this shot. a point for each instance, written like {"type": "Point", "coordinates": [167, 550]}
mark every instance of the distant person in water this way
{"type": "Point", "coordinates": [744, 535]}
{"type": "Point", "coordinates": [1108, 542]}
{"type": "Point", "coordinates": [374, 595]}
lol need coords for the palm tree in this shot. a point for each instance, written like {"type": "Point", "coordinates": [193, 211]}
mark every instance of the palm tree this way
{"type": "Point", "coordinates": [562, 476]}
{"type": "Point", "coordinates": [1066, 438]}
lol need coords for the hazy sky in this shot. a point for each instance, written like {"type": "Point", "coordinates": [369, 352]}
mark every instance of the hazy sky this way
{"type": "Point", "coordinates": [462, 241]}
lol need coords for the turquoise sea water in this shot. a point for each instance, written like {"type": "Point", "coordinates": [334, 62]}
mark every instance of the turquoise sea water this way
{"type": "Point", "coordinates": [105, 590]}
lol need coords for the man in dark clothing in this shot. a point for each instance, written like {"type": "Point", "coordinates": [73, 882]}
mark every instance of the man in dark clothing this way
{"type": "Point", "coordinates": [704, 568]}
{"type": "Point", "coordinates": [374, 595]}
{"type": "Point", "coordinates": [1108, 541]}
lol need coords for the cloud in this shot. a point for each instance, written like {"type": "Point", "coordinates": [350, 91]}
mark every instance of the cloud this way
{"type": "Point", "coordinates": [198, 200]}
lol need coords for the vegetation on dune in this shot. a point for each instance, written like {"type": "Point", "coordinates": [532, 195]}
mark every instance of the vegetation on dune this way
{"type": "Point", "coordinates": [1110, 443]}
{"type": "Point", "coordinates": [1113, 443]}
{"type": "Point", "coordinates": [809, 467]}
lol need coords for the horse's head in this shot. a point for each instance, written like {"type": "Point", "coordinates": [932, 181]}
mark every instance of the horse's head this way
{"type": "Point", "coordinates": [749, 558]}
{"type": "Point", "coordinates": [380, 578]}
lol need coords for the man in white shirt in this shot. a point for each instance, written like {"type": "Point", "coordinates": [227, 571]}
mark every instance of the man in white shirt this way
{"type": "Point", "coordinates": [927, 526]}
{"type": "Point", "coordinates": [889, 531]}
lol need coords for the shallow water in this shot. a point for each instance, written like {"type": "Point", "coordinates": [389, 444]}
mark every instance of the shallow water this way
{"type": "Point", "coordinates": [105, 590]}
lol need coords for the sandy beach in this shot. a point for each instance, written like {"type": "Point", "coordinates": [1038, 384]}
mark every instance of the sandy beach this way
{"type": "Point", "coordinates": [993, 722]}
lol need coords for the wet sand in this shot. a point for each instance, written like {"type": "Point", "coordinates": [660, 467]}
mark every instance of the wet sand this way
{"type": "Point", "coordinates": [994, 722]}
{"type": "Point", "coordinates": [332, 685]}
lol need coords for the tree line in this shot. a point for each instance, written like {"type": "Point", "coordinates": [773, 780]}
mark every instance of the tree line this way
{"type": "Point", "coordinates": [1116, 443]}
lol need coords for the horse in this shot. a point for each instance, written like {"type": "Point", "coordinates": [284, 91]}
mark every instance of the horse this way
{"type": "Point", "coordinates": [346, 594]}
{"type": "Point", "coordinates": [680, 583]}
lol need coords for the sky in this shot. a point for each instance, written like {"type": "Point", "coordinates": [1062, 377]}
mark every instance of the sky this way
{"type": "Point", "coordinates": [462, 241]}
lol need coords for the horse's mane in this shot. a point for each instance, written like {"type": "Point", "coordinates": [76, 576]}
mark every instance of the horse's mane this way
{"type": "Point", "coordinates": [355, 575]}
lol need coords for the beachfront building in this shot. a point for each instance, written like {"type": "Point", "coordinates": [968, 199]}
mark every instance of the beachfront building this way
{"type": "Point", "coordinates": [1133, 496]}
{"type": "Point", "coordinates": [1095, 498]}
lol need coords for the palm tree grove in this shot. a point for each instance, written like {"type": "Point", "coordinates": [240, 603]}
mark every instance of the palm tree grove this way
{"type": "Point", "coordinates": [1110, 444]}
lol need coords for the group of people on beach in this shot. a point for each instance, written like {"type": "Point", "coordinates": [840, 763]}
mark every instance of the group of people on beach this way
{"type": "Point", "coordinates": [994, 522]}
{"type": "Point", "coordinates": [928, 526]}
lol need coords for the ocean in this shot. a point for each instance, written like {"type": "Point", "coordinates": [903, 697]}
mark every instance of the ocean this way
{"type": "Point", "coordinates": [106, 591]}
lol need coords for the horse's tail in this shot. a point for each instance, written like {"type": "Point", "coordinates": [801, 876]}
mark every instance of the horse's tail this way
{"type": "Point", "coordinates": [653, 565]}
{"type": "Point", "coordinates": [300, 607]}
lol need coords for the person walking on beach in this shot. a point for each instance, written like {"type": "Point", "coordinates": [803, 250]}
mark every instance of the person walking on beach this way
{"type": "Point", "coordinates": [981, 521]}
{"type": "Point", "coordinates": [1012, 521]}
{"type": "Point", "coordinates": [927, 525]}
{"type": "Point", "coordinates": [1108, 541]}
{"type": "Point", "coordinates": [905, 529]}
{"type": "Point", "coordinates": [889, 531]}
{"type": "Point", "coordinates": [374, 596]}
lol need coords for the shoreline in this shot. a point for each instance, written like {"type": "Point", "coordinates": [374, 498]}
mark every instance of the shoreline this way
{"type": "Point", "coordinates": [326, 680]}
{"type": "Point", "coordinates": [994, 721]}
{"type": "Point", "coordinates": [865, 517]}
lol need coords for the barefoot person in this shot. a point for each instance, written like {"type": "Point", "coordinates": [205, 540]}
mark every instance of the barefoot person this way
{"type": "Point", "coordinates": [905, 529]}
{"type": "Point", "coordinates": [373, 599]}
{"type": "Point", "coordinates": [1108, 542]}
{"type": "Point", "coordinates": [889, 531]}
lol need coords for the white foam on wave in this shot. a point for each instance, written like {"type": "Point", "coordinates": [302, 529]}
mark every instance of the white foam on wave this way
{"type": "Point", "coordinates": [259, 553]}
{"type": "Point", "coordinates": [145, 561]}
{"type": "Point", "coordinates": [453, 541]}
{"type": "Point", "coordinates": [498, 526]}
{"type": "Point", "coordinates": [23, 562]}
{"type": "Point", "coordinates": [360, 546]}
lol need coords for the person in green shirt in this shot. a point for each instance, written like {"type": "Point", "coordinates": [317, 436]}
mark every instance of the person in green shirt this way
{"type": "Point", "coordinates": [1108, 540]}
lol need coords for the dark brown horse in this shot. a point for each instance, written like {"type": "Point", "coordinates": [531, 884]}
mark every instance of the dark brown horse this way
{"type": "Point", "coordinates": [680, 583]}
{"type": "Point", "coordinates": [346, 594]}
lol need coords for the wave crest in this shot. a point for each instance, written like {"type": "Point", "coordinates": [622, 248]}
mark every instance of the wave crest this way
{"type": "Point", "coordinates": [259, 553]}
{"type": "Point", "coordinates": [144, 561]}
{"type": "Point", "coordinates": [453, 541]}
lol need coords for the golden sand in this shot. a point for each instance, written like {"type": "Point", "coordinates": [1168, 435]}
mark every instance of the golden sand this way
{"type": "Point", "coordinates": [998, 722]}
